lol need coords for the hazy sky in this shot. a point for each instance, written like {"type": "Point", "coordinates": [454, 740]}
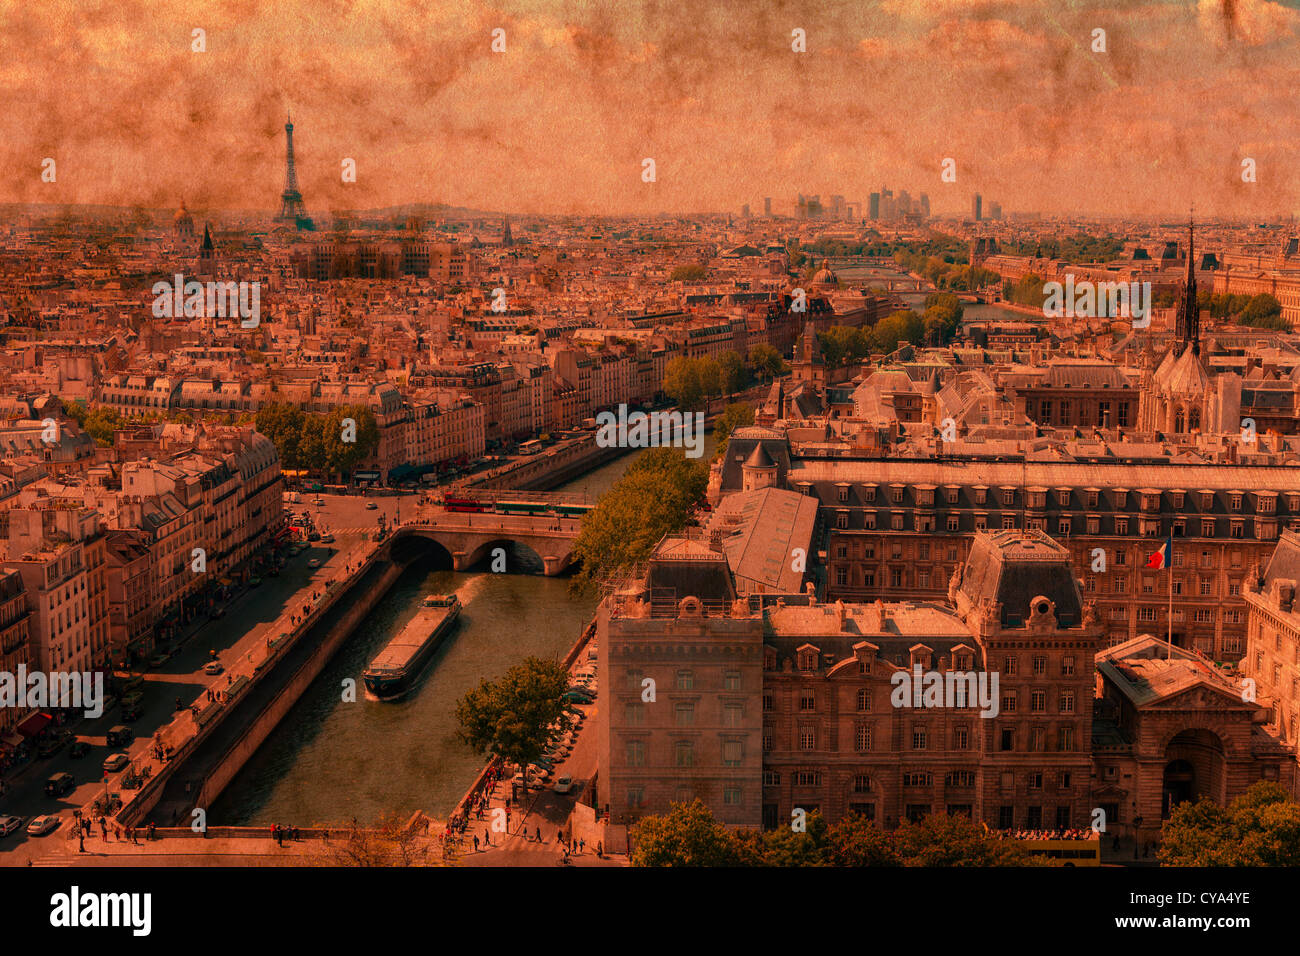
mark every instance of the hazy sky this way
{"type": "Point", "coordinates": [713, 92]}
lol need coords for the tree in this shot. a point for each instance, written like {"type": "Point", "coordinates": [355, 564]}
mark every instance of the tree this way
{"type": "Point", "coordinates": [942, 839]}
{"type": "Point", "coordinates": [687, 835]}
{"type": "Point", "coordinates": [655, 496]}
{"type": "Point", "coordinates": [388, 843]}
{"type": "Point", "coordinates": [1259, 828]}
{"type": "Point", "coordinates": [735, 374]}
{"type": "Point", "coordinates": [512, 716]}
{"type": "Point", "coordinates": [682, 383]}
{"type": "Point", "coordinates": [856, 841]}
{"type": "Point", "coordinates": [766, 361]}
{"type": "Point", "coordinates": [692, 272]}
{"type": "Point", "coordinates": [711, 381]}
{"type": "Point", "coordinates": [894, 330]}
{"type": "Point", "coordinates": [736, 415]}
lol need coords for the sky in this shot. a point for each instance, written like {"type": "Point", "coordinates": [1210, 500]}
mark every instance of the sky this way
{"type": "Point", "coordinates": [561, 122]}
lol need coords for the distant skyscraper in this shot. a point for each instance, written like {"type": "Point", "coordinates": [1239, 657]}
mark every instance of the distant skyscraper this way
{"type": "Point", "coordinates": [292, 208]}
{"type": "Point", "coordinates": [767, 207]}
{"type": "Point", "coordinates": [744, 211]}
{"type": "Point", "coordinates": [977, 207]}
{"type": "Point", "coordinates": [925, 206]}
{"type": "Point", "coordinates": [995, 210]}
{"type": "Point", "coordinates": [837, 207]}
{"type": "Point", "coordinates": [873, 205]}
{"type": "Point", "coordinates": [507, 238]}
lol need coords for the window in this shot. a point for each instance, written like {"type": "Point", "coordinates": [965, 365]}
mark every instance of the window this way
{"type": "Point", "coordinates": [685, 751]}
{"type": "Point", "coordinates": [633, 714]}
{"type": "Point", "coordinates": [767, 700]}
{"type": "Point", "coordinates": [1121, 525]}
{"type": "Point", "coordinates": [862, 738]}
{"type": "Point", "coordinates": [807, 738]}
{"type": "Point", "coordinates": [842, 520]}
{"type": "Point", "coordinates": [960, 778]}
{"type": "Point", "coordinates": [731, 680]}
{"type": "Point", "coordinates": [918, 778]}
{"type": "Point", "coordinates": [918, 737]}
{"type": "Point", "coordinates": [731, 796]}
{"type": "Point", "coordinates": [685, 680]}
{"type": "Point", "coordinates": [733, 715]}
{"type": "Point", "coordinates": [864, 699]}
{"type": "Point", "coordinates": [1037, 701]}
{"type": "Point", "coordinates": [684, 714]}
{"type": "Point", "coordinates": [1040, 665]}
{"type": "Point", "coordinates": [733, 753]}
{"type": "Point", "coordinates": [954, 523]}
{"type": "Point", "coordinates": [636, 753]}
{"type": "Point", "coordinates": [807, 701]}
{"type": "Point", "coordinates": [1067, 701]}
{"type": "Point", "coordinates": [1067, 665]}
{"type": "Point", "coordinates": [862, 783]}
{"type": "Point", "coordinates": [961, 738]}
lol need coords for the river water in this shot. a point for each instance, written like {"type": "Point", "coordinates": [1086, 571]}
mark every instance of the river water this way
{"type": "Point", "coordinates": [329, 761]}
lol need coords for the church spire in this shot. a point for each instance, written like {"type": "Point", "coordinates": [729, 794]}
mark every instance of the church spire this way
{"type": "Point", "coordinates": [1187, 325]}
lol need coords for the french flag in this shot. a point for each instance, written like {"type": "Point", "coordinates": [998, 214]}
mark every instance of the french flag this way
{"type": "Point", "coordinates": [1164, 557]}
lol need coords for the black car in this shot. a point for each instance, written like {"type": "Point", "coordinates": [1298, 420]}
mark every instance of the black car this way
{"type": "Point", "coordinates": [79, 749]}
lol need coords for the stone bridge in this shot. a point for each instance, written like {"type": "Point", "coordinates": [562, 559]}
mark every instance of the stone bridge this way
{"type": "Point", "coordinates": [470, 537]}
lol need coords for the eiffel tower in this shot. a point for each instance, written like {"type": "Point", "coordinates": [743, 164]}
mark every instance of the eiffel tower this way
{"type": "Point", "coordinates": [292, 208]}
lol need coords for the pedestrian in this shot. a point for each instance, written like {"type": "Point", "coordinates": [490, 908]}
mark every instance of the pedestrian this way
{"type": "Point", "coordinates": [476, 843]}
{"type": "Point", "coordinates": [81, 843]}
{"type": "Point", "coordinates": [539, 834]}
{"type": "Point", "coordinates": [153, 832]}
{"type": "Point", "coordinates": [487, 837]}
{"type": "Point", "coordinates": [600, 850]}
{"type": "Point", "coordinates": [582, 844]}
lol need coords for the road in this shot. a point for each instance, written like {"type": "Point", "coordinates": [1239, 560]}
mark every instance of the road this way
{"type": "Point", "coordinates": [249, 615]}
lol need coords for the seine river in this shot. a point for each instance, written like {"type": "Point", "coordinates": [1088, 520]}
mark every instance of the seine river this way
{"type": "Point", "coordinates": [329, 761]}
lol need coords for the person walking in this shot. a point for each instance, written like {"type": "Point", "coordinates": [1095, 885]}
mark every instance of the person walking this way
{"type": "Point", "coordinates": [476, 843]}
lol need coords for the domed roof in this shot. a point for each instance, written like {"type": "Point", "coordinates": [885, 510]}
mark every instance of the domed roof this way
{"type": "Point", "coordinates": [183, 214]}
{"type": "Point", "coordinates": [825, 276]}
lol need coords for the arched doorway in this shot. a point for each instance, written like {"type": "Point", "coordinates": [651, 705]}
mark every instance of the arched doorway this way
{"type": "Point", "coordinates": [1195, 767]}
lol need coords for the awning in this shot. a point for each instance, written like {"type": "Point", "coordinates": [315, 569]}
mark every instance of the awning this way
{"type": "Point", "coordinates": [33, 724]}
{"type": "Point", "coordinates": [11, 739]}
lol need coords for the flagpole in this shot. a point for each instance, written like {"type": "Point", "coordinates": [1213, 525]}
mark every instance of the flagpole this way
{"type": "Point", "coordinates": [1169, 642]}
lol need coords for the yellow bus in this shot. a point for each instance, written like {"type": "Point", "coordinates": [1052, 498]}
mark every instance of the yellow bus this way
{"type": "Point", "coordinates": [1066, 852]}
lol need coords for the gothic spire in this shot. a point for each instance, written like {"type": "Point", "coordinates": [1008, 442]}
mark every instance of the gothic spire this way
{"type": "Point", "coordinates": [1187, 325]}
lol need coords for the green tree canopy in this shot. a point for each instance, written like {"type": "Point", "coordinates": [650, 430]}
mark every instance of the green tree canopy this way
{"type": "Point", "coordinates": [655, 496]}
{"type": "Point", "coordinates": [942, 839]}
{"type": "Point", "coordinates": [687, 835]}
{"type": "Point", "coordinates": [512, 715]}
{"type": "Point", "coordinates": [766, 361]}
{"type": "Point", "coordinates": [1259, 828]}
{"type": "Point", "coordinates": [692, 272]}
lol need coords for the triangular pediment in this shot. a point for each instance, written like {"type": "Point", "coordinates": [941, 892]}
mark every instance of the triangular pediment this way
{"type": "Point", "coordinates": [1199, 697]}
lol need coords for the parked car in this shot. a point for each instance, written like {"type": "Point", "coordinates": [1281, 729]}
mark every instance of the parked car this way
{"type": "Point", "coordinates": [578, 697]}
{"type": "Point", "coordinates": [43, 824]}
{"type": "Point", "coordinates": [120, 736]}
{"type": "Point", "coordinates": [213, 668]}
{"type": "Point", "coordinates": [52, 745]}
{"type": "Point", "coordinates": [327, 539]}
{"type": "Point", "coordinates": [563, 784]}
{"type": "Point", "coordinates": [59, 784]}
{"type": "Point", "coordinates": [371, 506]}
{"type": "Point", "coordinates": [314, 563]}
{"type": "Point", "coordinates": [9, 824]}
{"type": "Point", "coordinates": [319, 502]}
{"type": "Point", "coordinates": [116, 762]}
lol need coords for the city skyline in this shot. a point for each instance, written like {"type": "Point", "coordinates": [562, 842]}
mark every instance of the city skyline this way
{"type": "Point", "coordinates": [729, 112]}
